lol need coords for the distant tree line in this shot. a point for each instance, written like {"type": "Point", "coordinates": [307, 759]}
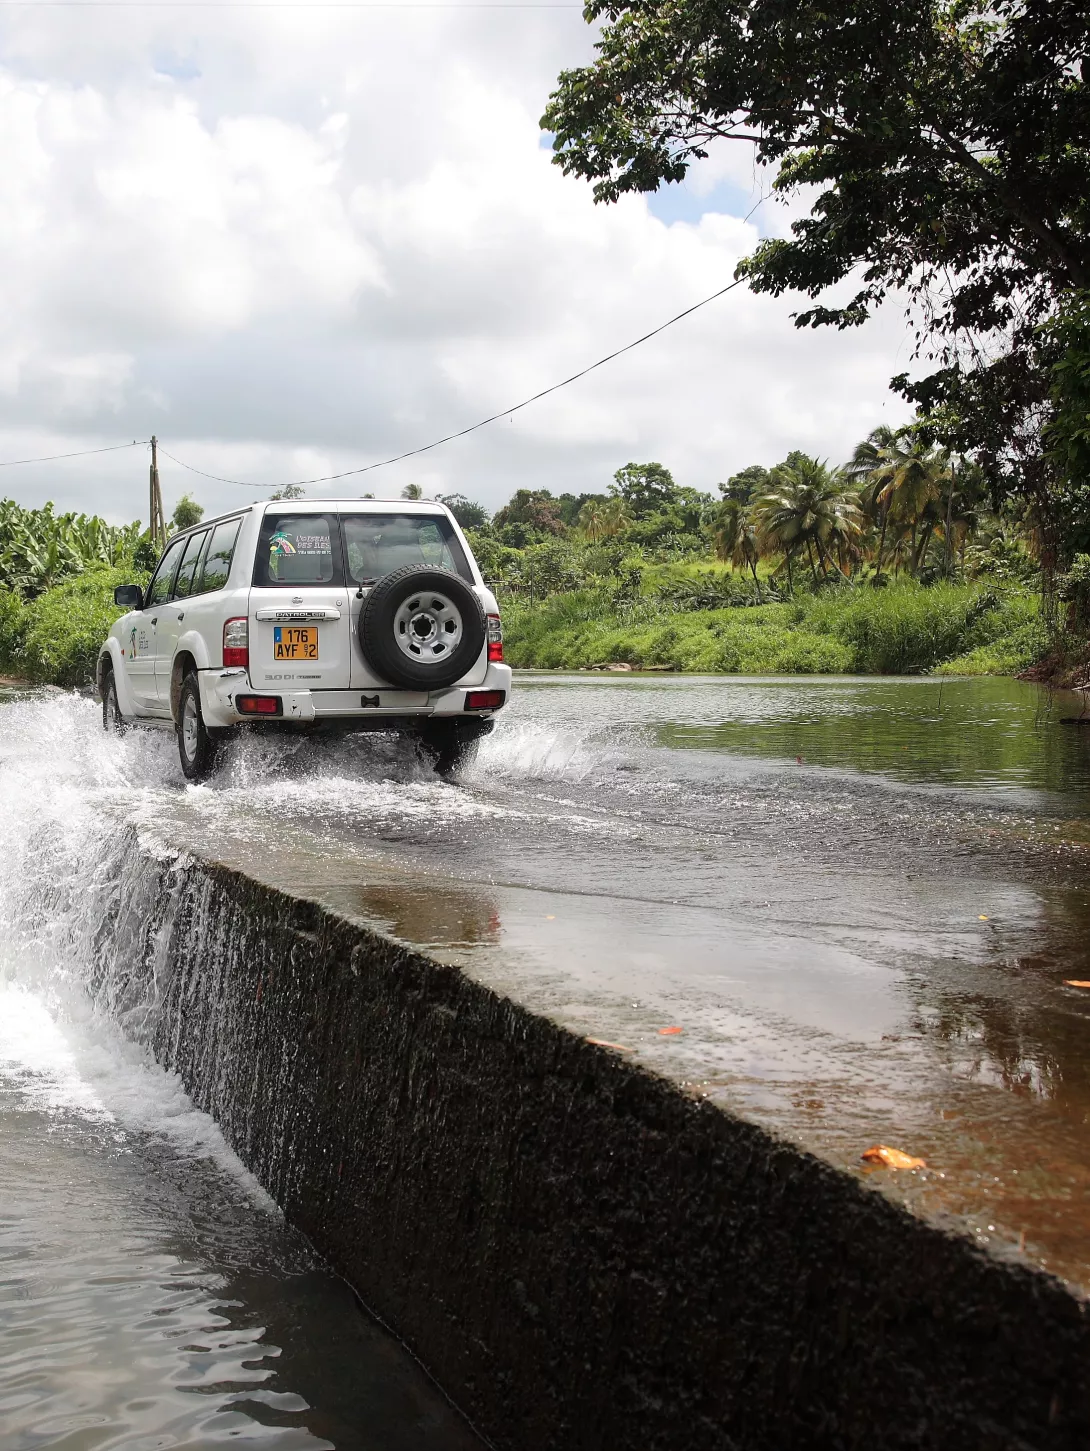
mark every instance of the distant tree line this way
{"type": "Point", "coordinates": [898, 507]}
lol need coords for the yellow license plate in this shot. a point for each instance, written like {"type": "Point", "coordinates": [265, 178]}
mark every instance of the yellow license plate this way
{"type": "Point", "coordinates": [295, 642]}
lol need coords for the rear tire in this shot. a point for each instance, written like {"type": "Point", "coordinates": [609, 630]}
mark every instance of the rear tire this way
{"type": "Point", "coordinates": [112, 719]}
{"type": "Point", "coordinates": [198, 749]}
{"type": "Point", "coordinates": [451, 746]}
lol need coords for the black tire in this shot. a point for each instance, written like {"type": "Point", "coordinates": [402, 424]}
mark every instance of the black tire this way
{"type": "Point", "coordinates": [451, 745]}
{"type": "Point", "coordinates": [112, 719]}
{"type": "Point", "coordinates": [198, 748]}
{"type": "Point", "coordinates": [421, 628]}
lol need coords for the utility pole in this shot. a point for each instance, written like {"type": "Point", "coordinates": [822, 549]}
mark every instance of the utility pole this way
{"type": "Point", "coordinates": [157, 525]}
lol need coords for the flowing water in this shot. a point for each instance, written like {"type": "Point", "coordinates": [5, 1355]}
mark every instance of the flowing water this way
{"type": "Point", "coordinates": [150, 1293]}
{"type": "Point", "coordinates": [859, 901]}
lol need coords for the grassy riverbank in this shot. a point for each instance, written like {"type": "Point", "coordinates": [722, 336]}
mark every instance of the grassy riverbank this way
{"type": "Point", "coordinates": [903, 630]}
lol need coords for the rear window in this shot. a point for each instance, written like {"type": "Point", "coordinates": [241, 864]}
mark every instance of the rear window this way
{"type": "Point", "coordinates": [296, 549]}
{"type": "Point", "coordinates": [377, 544]}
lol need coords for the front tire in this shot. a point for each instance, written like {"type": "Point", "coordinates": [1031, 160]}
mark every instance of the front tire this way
{"type": "Point", "coordinates": [112, 719]}
{"type": "Point", "coordinates": [198, 749]}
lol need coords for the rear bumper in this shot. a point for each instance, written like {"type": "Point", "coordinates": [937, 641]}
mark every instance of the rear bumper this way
{"type": "Point", "coordinates": [377, 709]}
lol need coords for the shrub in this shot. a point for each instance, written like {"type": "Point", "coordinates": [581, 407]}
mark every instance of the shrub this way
{"type": "Point", "coordinates": [65, 627]}
{"type": "Point", "coordinates": [12, 629]}
{"type": "Point", "coordinates": [906, 629]}
{"type": "Point", "coordinates": [1017, 636]}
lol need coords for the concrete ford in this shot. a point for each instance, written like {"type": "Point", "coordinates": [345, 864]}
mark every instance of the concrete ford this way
{"type": "Point", "coordinates": [304, 616]}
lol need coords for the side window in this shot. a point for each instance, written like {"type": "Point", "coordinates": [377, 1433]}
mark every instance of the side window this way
{"type": "Point", "coordinates": [159, 592]}
{"type": "Point", "coordinates": [217, 563]}
{"type": "Point", "coordinates": [296, 549]}
{"type": "Point", "coordinates": [187, 570]}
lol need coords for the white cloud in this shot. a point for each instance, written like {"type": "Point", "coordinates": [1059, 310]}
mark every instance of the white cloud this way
{"type": "Point", "coordinates": [293, 241]}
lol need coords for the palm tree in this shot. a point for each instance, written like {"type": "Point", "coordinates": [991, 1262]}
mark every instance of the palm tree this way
{"type": "Point", "coordinates": [604, 518]}
{"type": "Point", "coordinates": [734, 531]}
{"type": "Point", "coordinates": [808, 508]}
{"type": "Point", "coordinates": [911, 485]}
{"type": "Point", "coordinates": [871, 454]}
{"type": "Point", "coordinates": [870, 466]}
{"type": "Point", "coordinates": [902, 484]}
{"type": "Point", "coordinates": [960, 514]}
{"type": "Point", "coordinates": [412, 491]}
{"type": "Point", "coordinates": [591, 521]}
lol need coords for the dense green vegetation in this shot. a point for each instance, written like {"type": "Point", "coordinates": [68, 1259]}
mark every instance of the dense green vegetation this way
{"type": "Point", "coordinates": [894, 563]}
{"type": "Point", "coordinates": [39, 548]}
{"type": "Point", "coordinates": [57, 578]}
{"type": "Point", "coordinates": [907, 629]}
{"type": "Point", "coordinates": [55, 638]}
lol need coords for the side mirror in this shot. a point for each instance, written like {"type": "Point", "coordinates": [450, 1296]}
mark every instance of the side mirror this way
{"type": "Point", "coordinates": [129, 597]}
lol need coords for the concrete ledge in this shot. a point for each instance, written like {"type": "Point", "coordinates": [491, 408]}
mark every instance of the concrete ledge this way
{"type": "Point", "coordinates": [586, 1258]}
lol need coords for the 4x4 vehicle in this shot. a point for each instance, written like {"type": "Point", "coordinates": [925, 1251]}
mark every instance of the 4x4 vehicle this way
{"type": "Point", "coordinates": [311, 615]}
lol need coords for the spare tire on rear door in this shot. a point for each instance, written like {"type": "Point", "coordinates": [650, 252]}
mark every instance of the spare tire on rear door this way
{"type": "Point", "coordinates": [421, 628]}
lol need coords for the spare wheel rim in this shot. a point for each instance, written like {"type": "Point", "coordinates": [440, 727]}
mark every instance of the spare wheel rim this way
{"type": "Point", "coordinates": [428, 627]}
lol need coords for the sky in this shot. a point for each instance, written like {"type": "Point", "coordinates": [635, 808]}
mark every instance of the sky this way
{"type": "Point", "coordinates": [296, 239]}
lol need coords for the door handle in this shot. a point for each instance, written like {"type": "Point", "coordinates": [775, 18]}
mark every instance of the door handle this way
{"type": "Point", "coordinates": [155, 619]}
{"type": "Point", "coordinates": [181, 614]}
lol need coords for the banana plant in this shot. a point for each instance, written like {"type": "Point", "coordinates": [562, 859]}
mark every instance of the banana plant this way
{"type": "Point", "coordinates": [39, 548]}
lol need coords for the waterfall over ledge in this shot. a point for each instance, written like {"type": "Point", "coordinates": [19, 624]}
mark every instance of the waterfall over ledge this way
{"type": "Point", "coordinates": [583, 1254]}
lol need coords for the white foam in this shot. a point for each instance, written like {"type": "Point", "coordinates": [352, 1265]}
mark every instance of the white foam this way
{"type": "Point", "coordinates": [67, 789]}
{"type": "Point", "coordinates": [37, 1061]}
{"type": "Point", "coordinates": [532, 750]}
{"type": "Point", "coordinates": [75, 1012]}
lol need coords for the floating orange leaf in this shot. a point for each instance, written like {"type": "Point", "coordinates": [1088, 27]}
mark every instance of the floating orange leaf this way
{"type": "Point", "coordinates": [887, 1158]}
{"type": "Point", "coordinates": [669, 1032]}
{"type": "Point", "coordinates": [605, 1043]}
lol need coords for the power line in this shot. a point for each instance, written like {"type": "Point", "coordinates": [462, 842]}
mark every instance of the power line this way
{"type": "Point", "coordinates": [285, 5]}
{"type": "Point", "coordinates": [461, 433]}
{"type": "Point", "coordinates": [80, 453]}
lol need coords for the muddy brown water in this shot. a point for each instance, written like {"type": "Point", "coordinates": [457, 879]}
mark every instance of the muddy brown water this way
{"type": "Point", "coordinates": [859, 900]}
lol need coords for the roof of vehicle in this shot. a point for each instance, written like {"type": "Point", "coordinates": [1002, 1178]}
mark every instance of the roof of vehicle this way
{"type": "Point", "coordinates": [320, 506]}
{"type": "Point", "coordinates": [356, 506]}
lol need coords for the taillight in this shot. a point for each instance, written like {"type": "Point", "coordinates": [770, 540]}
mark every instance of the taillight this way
{"type": "Point", "coordinates": [495, 640]}
{"type": "Point", "coordinates": [236, 642]}
{"type": "Point", "coordinates": [485, 699]}
{"type": "Point", "coordinates": [258, 704]}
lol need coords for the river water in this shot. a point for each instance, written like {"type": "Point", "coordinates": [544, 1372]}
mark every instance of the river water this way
{"type": "Point", "coordinates": [858, 900]}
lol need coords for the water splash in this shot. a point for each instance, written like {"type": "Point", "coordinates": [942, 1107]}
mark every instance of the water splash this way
{"type": "Point", "coordinates": [87, 905]}
{"type": "Point", "coordinates": [538, 751]}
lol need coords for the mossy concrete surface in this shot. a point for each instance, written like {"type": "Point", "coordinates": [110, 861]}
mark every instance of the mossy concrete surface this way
{"type": "Point", "coordinates": [586, 1257]}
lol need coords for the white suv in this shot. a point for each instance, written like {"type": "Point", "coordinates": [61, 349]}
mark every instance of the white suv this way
{"type": "Point", "coordinates": [311, 615]}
